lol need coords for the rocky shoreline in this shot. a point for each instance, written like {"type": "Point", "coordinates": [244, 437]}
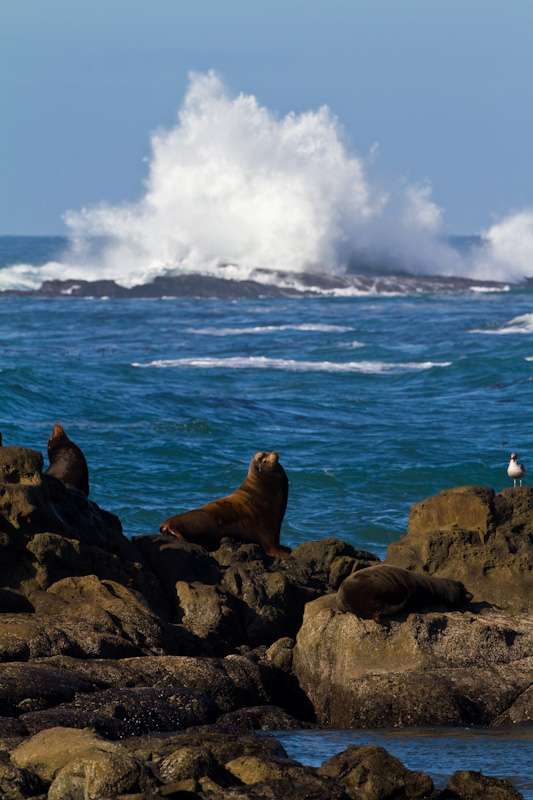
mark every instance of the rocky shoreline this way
{"type": "Point", "coordinates": [269, 283]}
{"type": "Point", "coordinates": [106, 643]}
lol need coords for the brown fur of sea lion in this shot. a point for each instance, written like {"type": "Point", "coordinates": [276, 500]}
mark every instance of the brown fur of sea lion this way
{"type": "Point", "coordinates": [252, 513]}
{"type": "Point", "coordinates": [67, 462]}
{"type": "Point", "coordinates": [383, 590]}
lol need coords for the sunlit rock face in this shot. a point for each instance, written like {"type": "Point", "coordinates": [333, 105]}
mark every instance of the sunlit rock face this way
{"type": "Point", "coordinates": [436, 666]}
{"type": "Point", "coordinates": [476, 536]}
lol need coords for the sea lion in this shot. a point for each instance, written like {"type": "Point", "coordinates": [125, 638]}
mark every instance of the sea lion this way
{"type": "Point", "coordinates": [253, 513]}
{"type": "Point", "coordinates": [67, 462]}
{"type": "Point", "coordinates": [383, 590]}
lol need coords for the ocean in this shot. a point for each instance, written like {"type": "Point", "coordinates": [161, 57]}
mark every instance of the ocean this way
{"type": "Point", "coordinates": [374, 399]}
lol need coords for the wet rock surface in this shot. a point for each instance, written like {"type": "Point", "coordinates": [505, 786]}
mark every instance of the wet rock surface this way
{"type": "Point", "coordinates": [105, 641]}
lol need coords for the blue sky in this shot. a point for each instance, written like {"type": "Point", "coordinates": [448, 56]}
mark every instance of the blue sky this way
{"type": "Point", "coordinates": [445, 89]}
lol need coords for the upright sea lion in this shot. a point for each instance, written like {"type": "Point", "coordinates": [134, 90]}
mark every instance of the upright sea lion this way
{"type": "Point", "coordinates": [382, 590]}
{"type": "Point", "coordinates": [253, 513]}
{"type": "Point", "coordinates": [67, 462]}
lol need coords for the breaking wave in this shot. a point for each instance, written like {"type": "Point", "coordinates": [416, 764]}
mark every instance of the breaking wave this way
{"type": "Point", "coordinates": [521, 324]}
{"type": "Point", "coordinates": [236, 191]}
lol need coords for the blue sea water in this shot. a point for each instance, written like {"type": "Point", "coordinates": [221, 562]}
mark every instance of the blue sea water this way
{"type": "Point", "coordinates": [373, 402]}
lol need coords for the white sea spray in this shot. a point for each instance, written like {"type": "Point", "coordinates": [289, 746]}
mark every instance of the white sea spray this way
{"type": "Point", "coordinates": [237, 191]}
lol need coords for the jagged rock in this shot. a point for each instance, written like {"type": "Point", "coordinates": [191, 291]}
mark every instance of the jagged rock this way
{"type": "Point", "coordinates": [331, 560]}
{"type": "Point", "coordinates": [471, 534]}
{"type": "Point", "coordinates": [29, 636]}
{"type": "Point", "coordinates": [174, 560]}
{"type": "Point", "coordinates": [280, 653]}
{"type": "Point", "coordinates": [49, 532]}
{"type": "Point", "coordinates": [97, 630]}
{"type": "Point", "coordinates": [437, 668]}
{"type": "Point", "coordinates": [370, 773]}
{"type": "Point", "coordinates": [237, 595]}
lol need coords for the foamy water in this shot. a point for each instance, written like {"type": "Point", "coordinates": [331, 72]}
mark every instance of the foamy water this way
{"type": "Point", "coordinates": [212, 331]}
{"type": "Point", "coordinates": [237, 191]}
{"type": "Point", "coordinates": [292, 365]}
{"type": "Point", "coordinates": [521, 324]}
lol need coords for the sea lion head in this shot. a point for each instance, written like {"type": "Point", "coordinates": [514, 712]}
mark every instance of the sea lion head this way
{"type": "Point", "coordinates": [57, 438]}
{"type": "Point", "coordinates": [462, 595]}
{"type": "Point", "coordinates": [57, 431]}
{"type": "Point", "coordinates": [266, 462]}
{"type": "Point", "coordinates": [265, 467]}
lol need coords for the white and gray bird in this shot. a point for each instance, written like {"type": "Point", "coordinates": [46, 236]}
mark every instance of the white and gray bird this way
{"type": "Point", "coordinates": [516, 470]}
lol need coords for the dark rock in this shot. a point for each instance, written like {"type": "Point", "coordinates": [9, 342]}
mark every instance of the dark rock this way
{"type": "Point", "coordinates": [261, 718]}
{"type": "Point", "coordinates": [126, 637]}
{"type": "Point", "coordinates": [174, 560]}
{"type": "Point", "coordinates": [471, 534]}
{"type": "Point", "coordinates": [110, 606]}
{"type": "Point", "coordinates": [18, 784]}
{"type": "Point", "coordinates": [192, 762]}
{"type": "Point", "coordinates": [475, 786]}
{"type": "Point", "coordinates": [29, 636]}
{"type": "Point", "coordinates": [331, 560]}
{"type": "Point", "coordinates": [70, 692]}
{"type": "Point", "coordinates": [24, 687]}
{"type": "Point", "coordinates": [225, 744]}
{"type": "Point", "coordinates": [125, 712]}
{"type": "Point", "coordinates": [280, 654]}
{"type": "Point", "coordinates": [370, 773]}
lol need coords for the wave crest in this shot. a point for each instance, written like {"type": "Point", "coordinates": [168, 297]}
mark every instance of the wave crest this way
{"type": "Point", "coordinates": [234, 190]}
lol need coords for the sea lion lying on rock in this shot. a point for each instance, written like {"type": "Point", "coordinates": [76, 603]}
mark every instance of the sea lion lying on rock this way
{"type": "Point", "coordinates": [253, 513]}
{"type": "Point", "coordinates": [67, 462]}
{"type": "Point", "coordinates": [383, 590]}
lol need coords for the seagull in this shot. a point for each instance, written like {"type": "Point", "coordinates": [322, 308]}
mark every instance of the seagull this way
{"type": "Point", "coordinates": [516, 470]}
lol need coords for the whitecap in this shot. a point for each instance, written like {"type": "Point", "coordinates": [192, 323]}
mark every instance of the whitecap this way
{"type": "Point", "coordinates": [212, 331]}
{"type": "Point", "coordinates": [291, 365]}
{"type": "Point", "coordinates": [521, 324]}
